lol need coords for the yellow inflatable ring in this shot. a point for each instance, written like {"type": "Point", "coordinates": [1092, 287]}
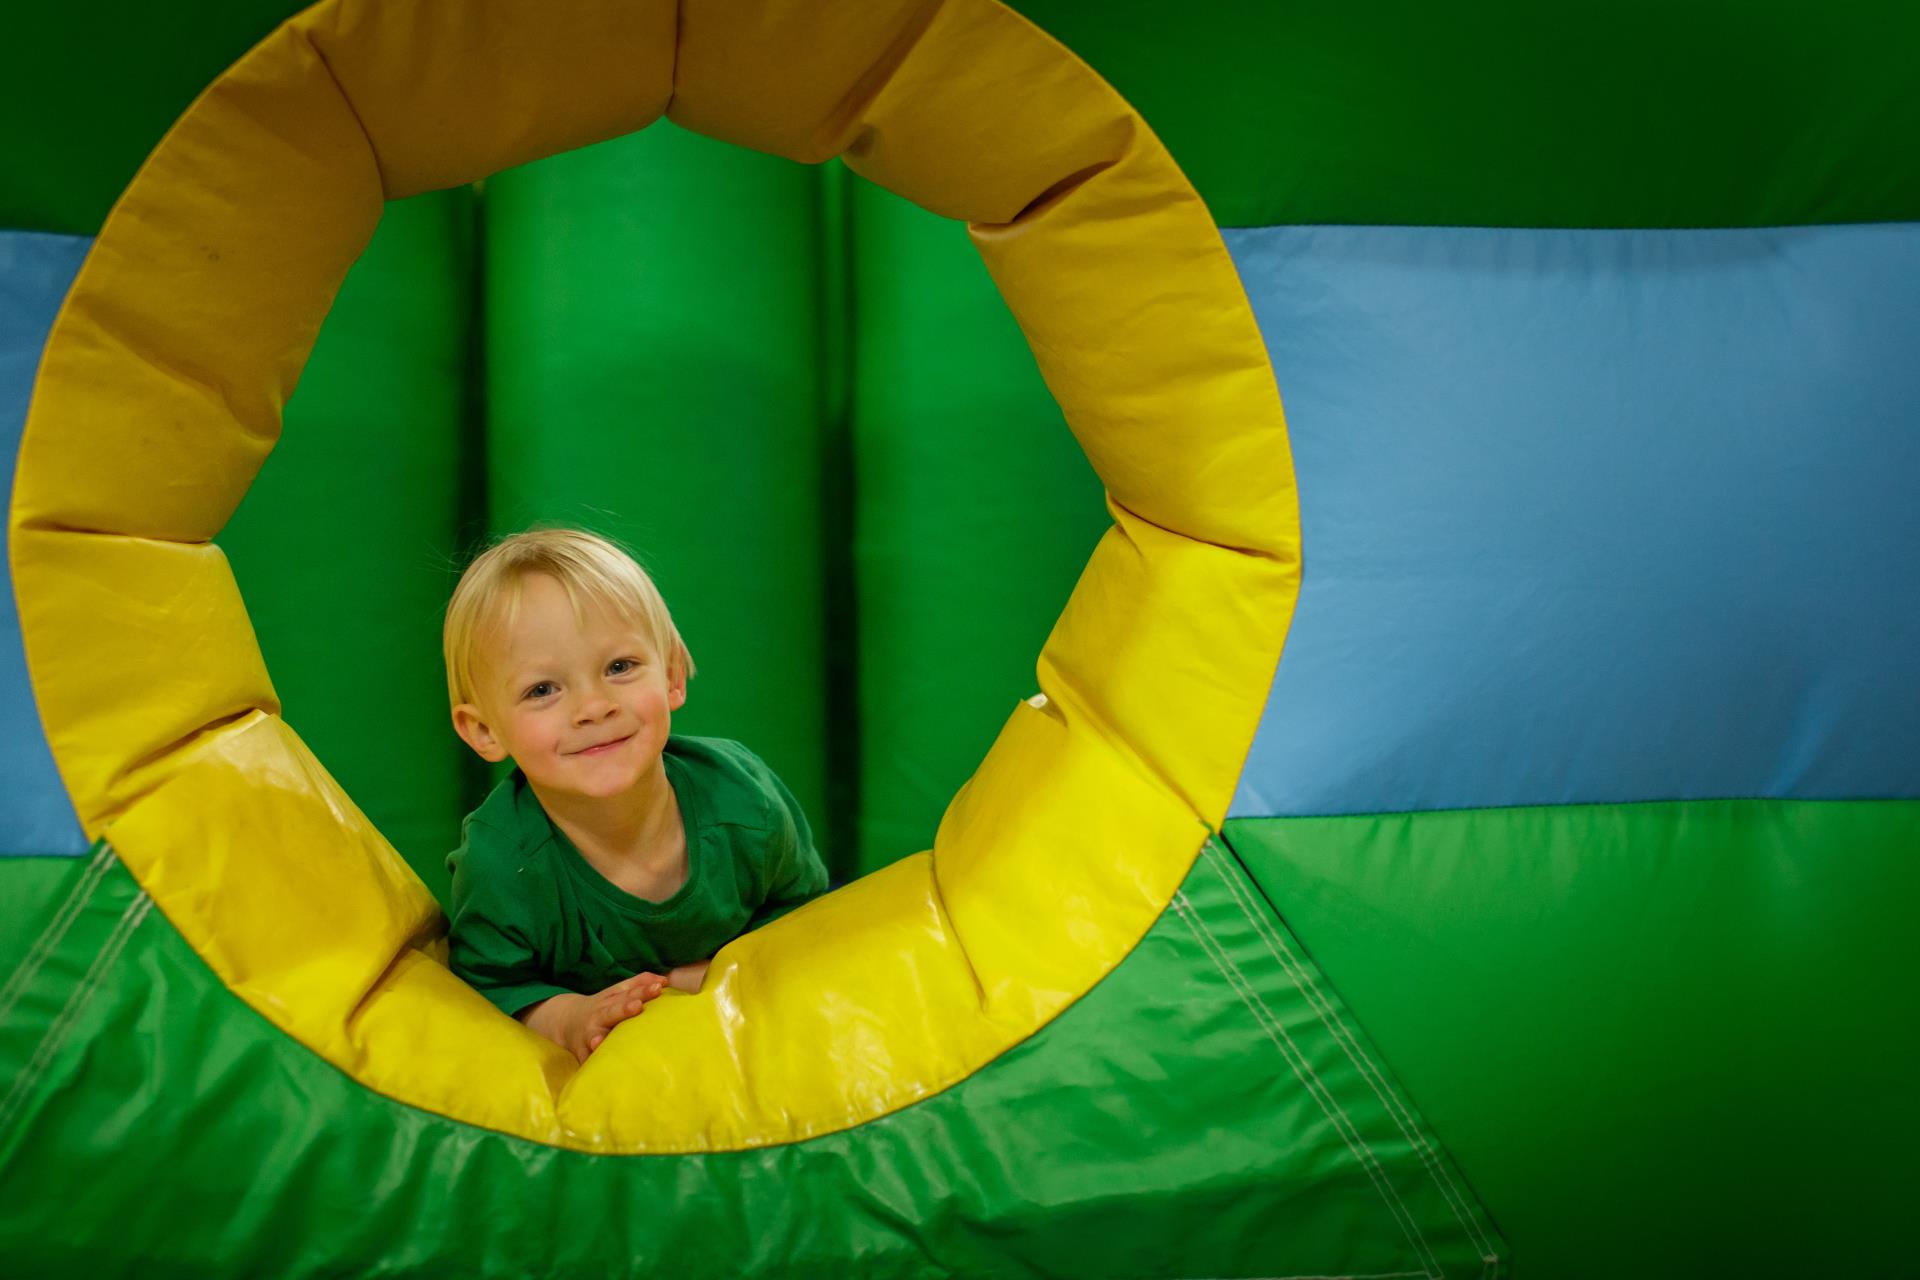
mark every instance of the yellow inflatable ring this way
{"type": "Point", "coordinates": [161, 391]}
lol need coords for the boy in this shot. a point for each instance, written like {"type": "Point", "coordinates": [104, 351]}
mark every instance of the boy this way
{"type": "Point", "coordinates": [616, 859]}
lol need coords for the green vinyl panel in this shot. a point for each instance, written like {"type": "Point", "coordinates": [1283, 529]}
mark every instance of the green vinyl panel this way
{"type": "Point", "coordinates": [1508, 114]}
{"type": "Point", "coordinates": [653, 372]}
{"type": "Point", "coordinates": [975, 513]}
{"type": "Point", "coordinates": [1514, 113]}
{"type": "Point", "coordinates": [1207, 1110]}
{"type": "Point", "coordinates": [344, 546]}
{"type": "Point", "coordinates": [1664, 1040]}
{"type": "Point", "coordinates": [87, 90]}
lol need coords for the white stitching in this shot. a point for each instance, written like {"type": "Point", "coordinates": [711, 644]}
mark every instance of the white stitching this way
{"type": "Point", "coordinates": [1356, 1054]}
{"type": "Point", "coordinates": [1304, 1072]}
{"type": "Point", "coordinates": [56, 929]}
{"type": "Point", "coordinates": [1362, 1061]}
{"type": "Point", "coordinates": [57, 1030]}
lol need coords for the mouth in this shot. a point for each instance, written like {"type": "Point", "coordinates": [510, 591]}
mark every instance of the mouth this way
{"type": "Point", "coordinates": [600, 748]}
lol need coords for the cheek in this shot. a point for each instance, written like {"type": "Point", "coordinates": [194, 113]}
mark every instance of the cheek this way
{"type": "Point", "coordinates": [534, 731]}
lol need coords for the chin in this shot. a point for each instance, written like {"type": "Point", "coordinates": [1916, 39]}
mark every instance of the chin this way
{"type": "Point", "coordinates": [606, 787]}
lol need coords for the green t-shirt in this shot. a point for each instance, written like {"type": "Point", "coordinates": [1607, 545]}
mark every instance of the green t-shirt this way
{"type": "Point", "coordinates": [531, 918]}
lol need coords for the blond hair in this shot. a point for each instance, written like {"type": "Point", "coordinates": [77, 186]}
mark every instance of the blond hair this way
{"type": "Point", "coordinates": [594, 572]}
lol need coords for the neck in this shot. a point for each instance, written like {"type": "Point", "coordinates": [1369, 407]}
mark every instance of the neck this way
{"type": "Point", "coordinates": [619, 827]}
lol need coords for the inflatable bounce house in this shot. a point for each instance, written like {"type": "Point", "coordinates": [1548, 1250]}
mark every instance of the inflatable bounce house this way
{"type": "Point", "coordinates": [1465, 823]}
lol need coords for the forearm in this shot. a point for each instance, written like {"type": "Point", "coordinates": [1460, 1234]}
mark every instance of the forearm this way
{"type": "Point", "coordinates": [688, 977]}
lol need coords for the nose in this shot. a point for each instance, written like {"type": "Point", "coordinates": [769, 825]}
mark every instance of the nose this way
{"type": "Point", "coordinates": [593, 707]}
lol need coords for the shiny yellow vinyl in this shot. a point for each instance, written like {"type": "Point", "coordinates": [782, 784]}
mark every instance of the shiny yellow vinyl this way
{"type": "Point", "coordinates": [161, 392]}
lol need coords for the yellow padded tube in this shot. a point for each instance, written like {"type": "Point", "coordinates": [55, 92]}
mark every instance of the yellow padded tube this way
{"type": "Point", "coordinates": [161, 391]}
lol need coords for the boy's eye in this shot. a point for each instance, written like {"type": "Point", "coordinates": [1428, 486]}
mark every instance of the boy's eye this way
{"type": "Point", "coordinates": [540, 690]}
{"type": "Point", "coordinates": [620, 666]}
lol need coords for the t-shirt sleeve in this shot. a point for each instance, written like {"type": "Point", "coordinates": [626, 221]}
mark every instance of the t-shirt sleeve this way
{"type": "Point", "coordinates": [796, 872]}
{"type": "Point", "coordinates": [489, 941]}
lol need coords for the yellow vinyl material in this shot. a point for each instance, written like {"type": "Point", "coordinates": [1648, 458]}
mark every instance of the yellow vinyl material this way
{"type": "Point", "coordinates": [161, 392]}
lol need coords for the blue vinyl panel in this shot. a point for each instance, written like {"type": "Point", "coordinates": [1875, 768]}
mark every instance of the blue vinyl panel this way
{"type": "Point", "coordinates": [1594, 516]}
{"type": "Point", "coordinates": [35, 815]}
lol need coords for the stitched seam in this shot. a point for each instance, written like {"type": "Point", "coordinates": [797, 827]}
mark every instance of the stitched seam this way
{"type": "Point", "coordinates": [56, 930]}
{"type": "Point", "coordinates": [58, 1030]}
{"type": "Point", "coordinates": [1303, 1071]}
{"type": "Point", "coordinates": [1356, 1054]}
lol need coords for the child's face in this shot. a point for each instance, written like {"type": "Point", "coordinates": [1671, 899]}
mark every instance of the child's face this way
{"type": "Point", "coordinates": [582, 709]}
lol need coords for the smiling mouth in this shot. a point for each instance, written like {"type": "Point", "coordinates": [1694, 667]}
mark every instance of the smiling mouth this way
{"type": "Point", "coordinates": [599, 748]}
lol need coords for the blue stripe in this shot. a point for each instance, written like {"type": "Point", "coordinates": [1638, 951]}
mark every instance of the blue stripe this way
{"type": "Point", "coordinates": [1594, 516]}
{"type": "Point", "coordinates": [35, 815]}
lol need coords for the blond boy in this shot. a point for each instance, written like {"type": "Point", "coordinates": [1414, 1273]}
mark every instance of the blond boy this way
{"type": "Point", "coordinates": [617, 858]}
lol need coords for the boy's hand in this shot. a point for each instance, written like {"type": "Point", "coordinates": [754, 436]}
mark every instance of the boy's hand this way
{"type": "Point", "coordinates": [610, 1008]}
{"type": "Point", "coordinates": [688, 977]}
{"type": "Point", "coordinates": [579, 1023]}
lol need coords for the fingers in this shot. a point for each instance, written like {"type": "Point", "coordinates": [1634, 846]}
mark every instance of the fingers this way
{"type": "Point", "coordinates": [611, 1008]}
{"type": "Point", "coordinates": [611, 1012]}
{"type": "Point", "coordinates": [625, 999]}
{"type": "Point", "coordinates": [598, 1028]}
{"type": "Point", "coordinates": [645, 985]}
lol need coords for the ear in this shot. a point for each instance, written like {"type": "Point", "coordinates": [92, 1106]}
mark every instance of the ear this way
{"type": "Point", "coordinates": [477, 733]}
{"type": "Point", "coordinates": [676, 686]}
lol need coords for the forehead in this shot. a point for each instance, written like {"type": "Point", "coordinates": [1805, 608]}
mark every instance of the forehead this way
{"type": "Point", "coordinates": [545, 624]}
